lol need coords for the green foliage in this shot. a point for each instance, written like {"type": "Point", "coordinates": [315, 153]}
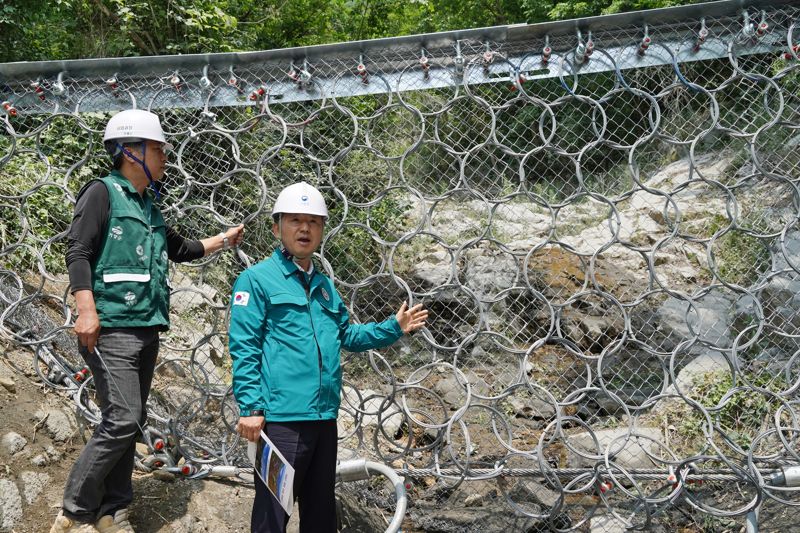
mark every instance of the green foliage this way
{"type": "Point", "coordinates": [744, 413]}
{"type": "Point", "coordinates": [354, 254]}
{"type": "Point", "coordinates": [790, 82]}
{"type": "Point", "coordinates": [50, 214]}
{"type": "Point", "coordinates": [740, 258]}
{"type": "Point", "coordinates": [32, 30]}
{"type": "Point", "coordinates": [621, 6]}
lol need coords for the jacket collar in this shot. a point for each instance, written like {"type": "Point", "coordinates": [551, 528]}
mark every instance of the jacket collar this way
{"type": "Point", "coordinates": [289, 268]}
{"type": "Point", "coordinates": [126, 184]}
{"type": "Point", "coordinates": [287, 265]}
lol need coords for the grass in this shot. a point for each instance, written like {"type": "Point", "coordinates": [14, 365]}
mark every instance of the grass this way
{"type": "Point", "coordinates": [741, 258]}
{"type": "Point", "coordinates": [743, 416]}
{"type": "Point", "coordinates": [585, 215]}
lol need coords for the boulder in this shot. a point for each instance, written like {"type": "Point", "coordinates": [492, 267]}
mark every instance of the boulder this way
{"type": "Point", "coordinates": [454, 392]}
{"type": "Point", "coordinates": [607, 523]}
{"type": "Point", "coordinates": [705, 362]}
{"type": "Point", "coordinates": [61, 425]}
{"type": "Point", "coordinates": [8, 384]}
{"type": "Point", "coordinates": [10, 505]}
{"type": "Point", "coordinates": [630, 453]}
{"type": "Point", "coordinates": [13, 442]}
{"type": "Point", "coordinates": [33, 485]}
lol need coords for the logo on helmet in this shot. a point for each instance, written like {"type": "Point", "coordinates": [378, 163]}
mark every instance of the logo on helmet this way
{"type": "Point", "coordinates": [304, 198]}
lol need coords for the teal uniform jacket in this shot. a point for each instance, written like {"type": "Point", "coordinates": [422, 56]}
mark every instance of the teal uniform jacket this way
{"type": "Point", "coordinates": [285, 337]}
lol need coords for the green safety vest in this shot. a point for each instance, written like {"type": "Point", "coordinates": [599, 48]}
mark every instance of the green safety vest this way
{"type": "Point", "coordinates": [129, 279]}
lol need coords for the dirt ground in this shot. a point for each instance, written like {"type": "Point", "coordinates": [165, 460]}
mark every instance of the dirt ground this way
{"type": "Point", "coordinates": [178, 506]}
{"type": "Point", "coordinates": [193, 506]}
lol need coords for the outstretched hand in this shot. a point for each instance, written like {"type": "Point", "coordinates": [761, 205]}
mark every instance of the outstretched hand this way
{"type": "Point", "coordinates": [235, 235]}
{"type": "Point", "coordinates": [411, 319]}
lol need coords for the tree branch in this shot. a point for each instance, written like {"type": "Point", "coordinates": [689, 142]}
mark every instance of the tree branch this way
{"type": "Point", "coordinates": [113, 16]}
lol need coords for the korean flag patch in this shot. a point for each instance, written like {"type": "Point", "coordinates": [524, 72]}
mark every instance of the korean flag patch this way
{"type": "Point", "coordinates": [241, 298]}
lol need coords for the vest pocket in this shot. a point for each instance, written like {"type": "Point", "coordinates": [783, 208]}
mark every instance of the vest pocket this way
{"type": "Point", "coordinates": [125, 289]}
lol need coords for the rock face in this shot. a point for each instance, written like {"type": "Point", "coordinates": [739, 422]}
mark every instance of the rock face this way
{"type": "Point", "coordinates": [355, 515]}
{"type": "Point", "coordinates": [487, 270]}
{"type": "Point", "coordinates": [780, 293]}
{"type": "Point", "coordinates": [607, 524]}
{"type": "Point", "coordinates": [195, 506]}
{"type": "Point", "coordinates": [627, 453]}
{"type": "Point", "coordinates": [652, 288]}
{"type": "Point", "coordinates": [375, 410]}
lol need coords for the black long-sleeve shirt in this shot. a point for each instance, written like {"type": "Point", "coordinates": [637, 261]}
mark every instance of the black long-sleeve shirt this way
{"type": "Point", "coordinates": [86, 236]}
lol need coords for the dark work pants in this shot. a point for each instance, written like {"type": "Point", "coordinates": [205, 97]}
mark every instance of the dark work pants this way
{"type": "Point", "coordinates": [99, 483]}
{"type": "Point", "coordinates": [311, 449]}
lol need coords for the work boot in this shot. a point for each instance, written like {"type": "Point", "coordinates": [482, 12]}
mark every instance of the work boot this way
{"type": "Point", "coordinates": [121, 519]}
{"type": "Point", "coordinates": [63, 524]}
{"type": "Point", "coordinates": [106, 525]}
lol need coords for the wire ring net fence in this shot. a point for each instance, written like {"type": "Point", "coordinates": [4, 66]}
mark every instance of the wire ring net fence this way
{"type": "Point", "coordinates": [603, 226]}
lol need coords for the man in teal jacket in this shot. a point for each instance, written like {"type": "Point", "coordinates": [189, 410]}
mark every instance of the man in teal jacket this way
{"type": "Point", "coordinates": [288, 325]}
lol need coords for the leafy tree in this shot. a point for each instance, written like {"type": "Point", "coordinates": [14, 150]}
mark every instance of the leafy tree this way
{"type": "Point", "coordinates": [32, 30]}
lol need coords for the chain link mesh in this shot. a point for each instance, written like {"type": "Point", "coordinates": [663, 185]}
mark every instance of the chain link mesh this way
{"type": "Point", "coordinates": [604, 228]}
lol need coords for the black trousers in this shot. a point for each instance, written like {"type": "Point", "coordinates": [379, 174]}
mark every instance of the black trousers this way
{"type": "Point", "coordinates": [311, 449]}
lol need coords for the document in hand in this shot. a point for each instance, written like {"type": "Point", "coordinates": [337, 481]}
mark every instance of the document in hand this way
{"type": "Point", "coordinates": [274, 470]}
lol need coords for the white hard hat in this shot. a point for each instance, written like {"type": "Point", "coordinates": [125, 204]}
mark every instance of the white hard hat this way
{"type": "Point", "coordinates": [300, 198]}
{"type": "Point", "coordinates": [134, 125]}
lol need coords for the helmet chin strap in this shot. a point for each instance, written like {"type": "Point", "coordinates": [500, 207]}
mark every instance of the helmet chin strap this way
{"type": "Point", "coordinates": [127, 152]}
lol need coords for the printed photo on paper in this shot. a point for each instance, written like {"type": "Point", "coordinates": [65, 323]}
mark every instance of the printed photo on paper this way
{"type": "Point", "coordinates": [274, 471]}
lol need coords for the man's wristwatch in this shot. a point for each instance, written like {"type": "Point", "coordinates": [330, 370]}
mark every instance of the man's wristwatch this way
{"type": "Point", "coordinates": [226, 243]}
{"type": "Point", "coordinates": [252, 412]}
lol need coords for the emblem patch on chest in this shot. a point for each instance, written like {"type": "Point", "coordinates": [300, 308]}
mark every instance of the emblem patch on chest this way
{"type": "Point", "coordinates": [325, 295]}
{"type": "Point", "coordinates": [130, 299]}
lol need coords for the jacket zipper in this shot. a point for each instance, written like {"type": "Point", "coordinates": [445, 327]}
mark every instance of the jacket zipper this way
{"type": "Point", "coordinates": [307, 287]}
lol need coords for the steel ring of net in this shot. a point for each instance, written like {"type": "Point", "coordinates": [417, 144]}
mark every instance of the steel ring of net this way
{"type": "Point", "coordinates": [605, 229]}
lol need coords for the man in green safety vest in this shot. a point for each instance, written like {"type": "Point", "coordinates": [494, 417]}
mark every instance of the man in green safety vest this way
{"type": "Point", "coordinates": [117, 257]}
